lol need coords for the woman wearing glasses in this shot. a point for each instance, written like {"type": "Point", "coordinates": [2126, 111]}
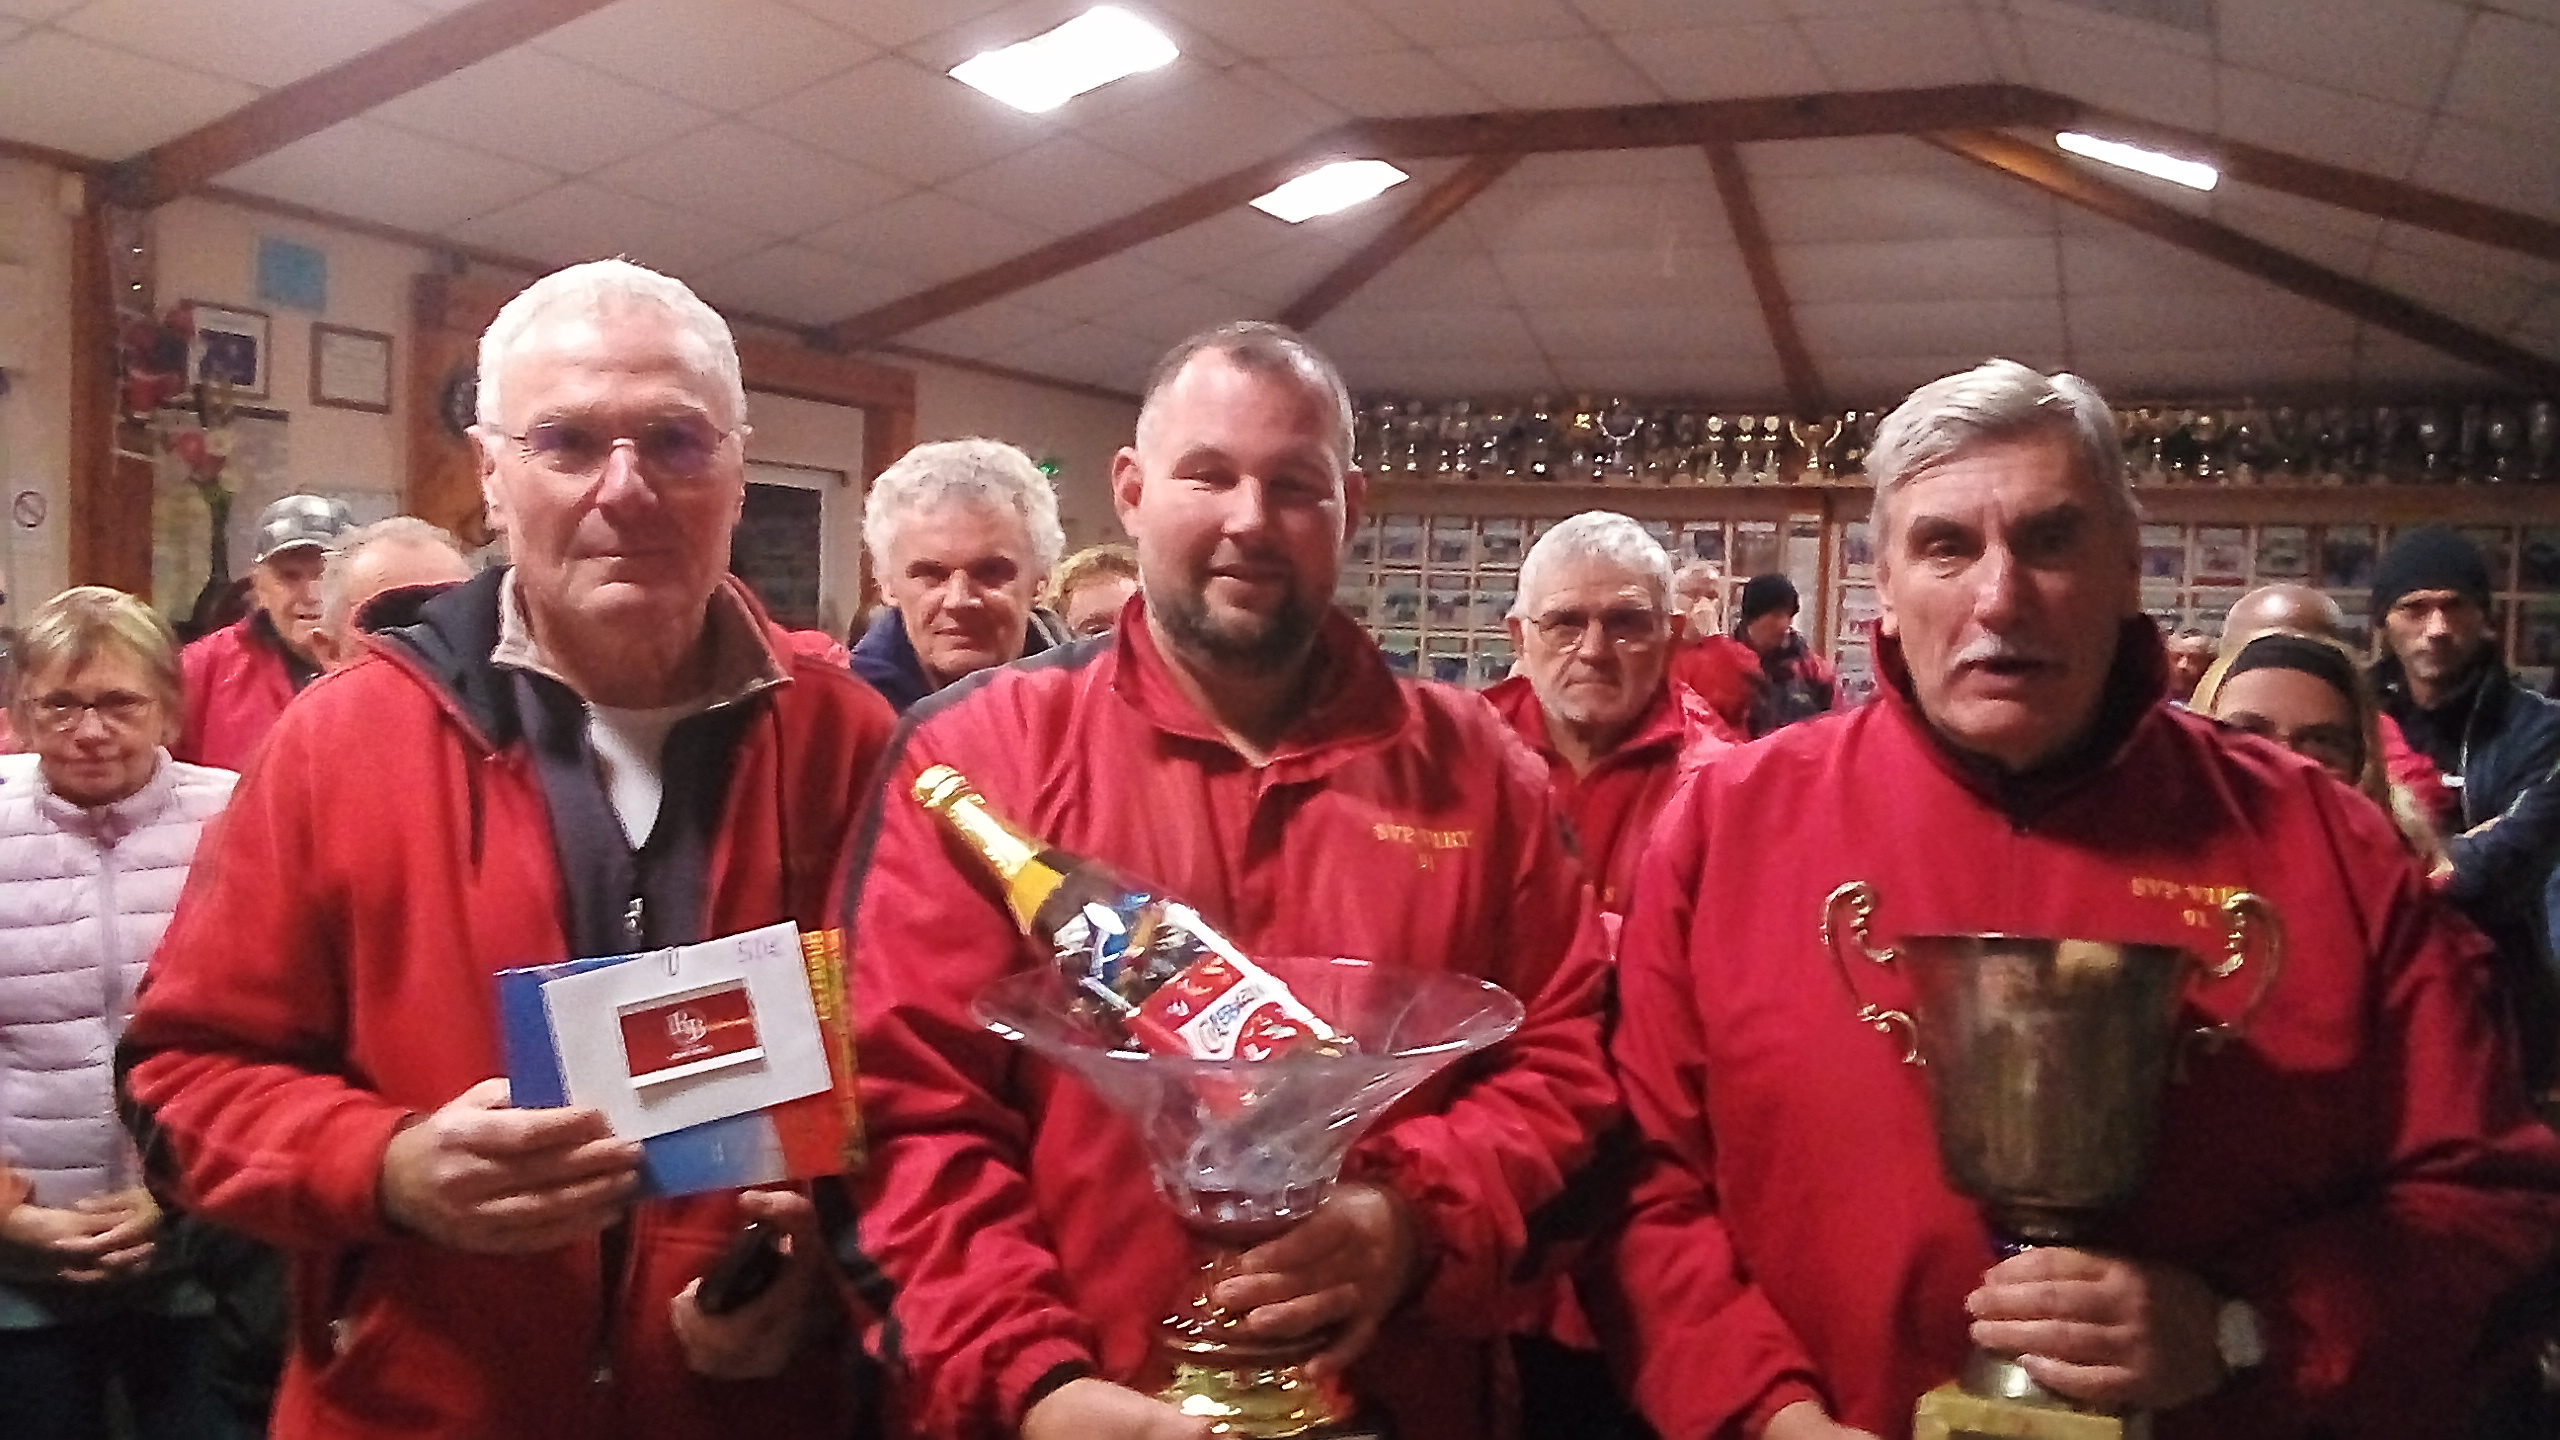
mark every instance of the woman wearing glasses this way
{"type": "Point", "coordinates": [97, 826]}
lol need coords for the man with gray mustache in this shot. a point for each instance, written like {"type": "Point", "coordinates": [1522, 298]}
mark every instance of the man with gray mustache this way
{"type": "Point", "coordinates": [2339, 1204]}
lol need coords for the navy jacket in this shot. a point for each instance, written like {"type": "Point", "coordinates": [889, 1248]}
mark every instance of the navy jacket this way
{"type": "Point", "coordinates": [885, 657]}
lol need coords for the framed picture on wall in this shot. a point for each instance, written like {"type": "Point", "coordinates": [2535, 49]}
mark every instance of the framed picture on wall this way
{"type": "Point", "coordinates": [350, 369]}
{"type": "Point", "coordinates": [230, 344]}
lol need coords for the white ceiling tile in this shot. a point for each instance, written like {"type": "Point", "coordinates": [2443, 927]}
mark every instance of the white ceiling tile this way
{"type": "Point", "coordinates": [2539, 330]}
{"type": "Point", "coordinates": [2008, 53]}
{"type": "Point", "coordinates": [1098, 290]}
{"type": "Point", "coordinates": [1666, 164]}
{"type": "Point", "coordinates": [1091, 353]}
{"type": "Point", "coordinates": [1574, 217]}
{"type": "Point", "coordinates": [2119, 261]}
{"type": "Point", "coordinates": [928, 235]}
{"type": "Point", "coordinates": [543, 110]}
{"type": "Point", "coordinates": [1546, 74]}
{"type": "Point", "coordinates": [1272, 32]}
{"type": "Point", "coordinates": [1743, 375]}
{"type": "Point", "coordinates": [1902, 49]}
{"type": "Point", "coordinates": [1610, 277]}
{"type": "Point", "coordinates": [1668, 328]}
{"type": "Point", "coordinates": [1216, 244]}
{"type": "Point", "coordinates": [794, 282]}
{"type": "Point", "coordinates": [892, 23]}
{"type": "Point", "coordinates": [11, 30]}
{"type": "Point", "coordinates": [37, 10]}
{"type": "Point", "coordinates": [1508, 375]}
{"type": "Point", "coordinates": [2386, 364]}
{"type": "Point", "coordinates": [51, 86]}
{"type": "Point", "coordinates": [1925, 202]}
{"type": "Point", "coordinates": [1355, 330]}
{"type": "Point", "coordinates": [1727, 62]}
{"type": "Point", "coordinates": [997, 326]}
{"type": "Point", "coordinates": [1278, 276]}
{"type": "Point", "coordinates": [1180, 308]}
{"type": "Point", "coordinates": [388, 175]}
{"type": "Point", "coordinates": [2342, 240]}
{"type": "Point", "coordinates": [1624, 16]}
{"type": "Point", "coordinates": [2099, 16]}
{"type": "Point", "coordinates": [2128, 322]}
{"type": "Point", "coordinates": [2106, 68]}
{"type": "Point", "coordinates": [752, 178]}
{"type": "Point", "coordinates": [2492, 166]}
{"type": "Point", "coordinates": [2220, 372]}
{"type": "Point", "coordinates": [896, 117]}
{"type": "Point", "coordinates": [2397, 51]}
{"type": "Point", "coordinates": [1982, 267]}
{"type": "Point", "coordinates": [1931, 327]}
{"type": "Point", "coordinates": [736, 54]}
{"type": "Point", "coordinates": [1207, 126]}
{"type": "Point", "coordinates": [1061, 185]}
{"type": "Point", "coordinates": [261, 42]}
{"type": "Point", "coordinates": [2470, 284]}
{"type": "Point", "coordinates": [2508, 77]}
{"type": "Point", "coordinates": [1481, 22]}
{"type": "Point", "coordinates": [1849, 155]}
{"type": "Point", "coordinates": [1427, 281]}
{"type": "Point", "coordinates": [1388, 82]}
{"type": "Point", "coordinates": [579, 221]}
{"type": "Point", "coordinates": [2319, 123]}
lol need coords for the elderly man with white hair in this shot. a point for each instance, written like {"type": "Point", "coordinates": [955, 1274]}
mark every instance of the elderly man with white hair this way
{"type": "Point", "coordinates": [401, 553]}
{"type": "Point", "coordinates": [2344, 1198]}
{"type": "Point", "coordinates": [603, 748]}
{"type": "Point", "coordinates": [1593, 628]}
{"type": "Point", "coordinates": [962, 535]}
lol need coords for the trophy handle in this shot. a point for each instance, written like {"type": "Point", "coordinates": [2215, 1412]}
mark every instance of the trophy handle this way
{"type": "Point", "coordinates": [1859, 898]}
{"type": "Point", "coordinates": [2243, 916]}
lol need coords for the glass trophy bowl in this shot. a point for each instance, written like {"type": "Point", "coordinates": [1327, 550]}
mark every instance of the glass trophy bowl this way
{"type": "Point", "coordinates": [1244, 1149]}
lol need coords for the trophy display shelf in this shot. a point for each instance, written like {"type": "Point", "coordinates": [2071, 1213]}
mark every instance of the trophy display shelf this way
{"type": "Point", "coordinates": [1245, 1149]}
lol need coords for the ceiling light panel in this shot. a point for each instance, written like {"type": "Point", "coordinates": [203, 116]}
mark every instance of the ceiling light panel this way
{"type": "Point", "coordinates": [2193, 174]}
{"type": "Point", "coordinates": [1044, 72]}
{"type": "Point", "coordinates": [1337, 186]}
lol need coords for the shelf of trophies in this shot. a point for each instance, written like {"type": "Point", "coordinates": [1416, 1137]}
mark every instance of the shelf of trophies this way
{"type": "Point", "coordinates": [2233, 497]}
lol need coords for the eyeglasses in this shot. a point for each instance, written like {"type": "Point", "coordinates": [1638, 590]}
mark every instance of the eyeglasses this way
{"type": "Point", "coordinates": [1619, 625]}
{"type": "Point", "coordinates": [119, 709]}
{"type": "Point", "coordinates": [680, 447]}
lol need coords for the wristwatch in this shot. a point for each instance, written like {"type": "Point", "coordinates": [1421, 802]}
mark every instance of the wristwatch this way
{"type": "Point", "coordinates": [2239, 1337]}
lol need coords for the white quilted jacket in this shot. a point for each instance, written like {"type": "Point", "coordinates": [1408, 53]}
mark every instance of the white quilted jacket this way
{"type": "Point", "coordinates": [84, 895]}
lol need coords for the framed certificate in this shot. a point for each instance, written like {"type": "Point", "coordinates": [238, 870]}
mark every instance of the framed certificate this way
{"type": "Point", "coordinates": [350, 369]}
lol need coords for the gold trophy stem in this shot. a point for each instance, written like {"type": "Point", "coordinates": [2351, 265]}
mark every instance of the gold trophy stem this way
{"type": "Point", "coordinates": [1243, 1385]}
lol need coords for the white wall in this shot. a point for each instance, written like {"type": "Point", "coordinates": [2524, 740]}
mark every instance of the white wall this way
{"type": "Point", "coordinates": [35, 351]}
{"type": "Point", "coordinates": [1081, 431]}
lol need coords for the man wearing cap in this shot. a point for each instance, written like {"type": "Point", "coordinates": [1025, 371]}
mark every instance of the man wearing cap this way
{"type": "Point", "coordinates": [238, 678]}
{"type": "Point", "coordinates": [2498, 744]}
{"type": "Point", "coordinates": [1799, 683]}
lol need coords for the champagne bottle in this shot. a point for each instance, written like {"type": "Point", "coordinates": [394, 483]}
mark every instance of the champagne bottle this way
{"type": "Point", "coordinates": [1138, 963]}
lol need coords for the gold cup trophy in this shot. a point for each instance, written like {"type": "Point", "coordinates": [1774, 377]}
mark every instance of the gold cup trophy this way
{"type": "Point", "coordinates": [2046, 1061]}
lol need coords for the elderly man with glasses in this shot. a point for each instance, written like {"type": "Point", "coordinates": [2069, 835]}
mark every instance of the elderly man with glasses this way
{"type": "Point", "coordinates": [604, 748]}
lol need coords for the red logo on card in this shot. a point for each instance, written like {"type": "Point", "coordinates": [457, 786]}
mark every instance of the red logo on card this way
{"type": "Point", "coordinates": [668, 1039]}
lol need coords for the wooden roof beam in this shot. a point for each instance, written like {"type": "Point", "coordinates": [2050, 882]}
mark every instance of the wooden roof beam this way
{"type": "Point", "coordinates": [2348, 189]}
{"type": "Point", "coordinates": [1524, 132]}
{"type": "Point", "coordinates": [343, 91]}
{"type": "Point", "coordinates": [1742, 211]}
{"type": "Point", "coordinates": [1404, 232]}
{"type": "Point", "coordinates": [2055, 174]}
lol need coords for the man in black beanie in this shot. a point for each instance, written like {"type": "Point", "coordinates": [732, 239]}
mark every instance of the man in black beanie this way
{"type": "Point", "coordinates": [2498, 744]}
{"type": "Point", "coordinates": [1801, 684]}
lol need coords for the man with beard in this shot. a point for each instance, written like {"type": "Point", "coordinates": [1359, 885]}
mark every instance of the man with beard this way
{"type": "Point", "coordinates": [2343, 1199]}
{"type": "Point", "coordinates": [2497, 744]}
{"type": "Point", "coordinates": [1243, 745]}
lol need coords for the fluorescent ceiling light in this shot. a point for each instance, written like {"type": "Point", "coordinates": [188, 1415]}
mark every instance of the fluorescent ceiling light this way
{"type": "Point", "coordinates": [2195, 175]}
{"type": "Point", "coordinates": [1046, 71]}
{"type": "Point", "coordinates": [1337, 186]}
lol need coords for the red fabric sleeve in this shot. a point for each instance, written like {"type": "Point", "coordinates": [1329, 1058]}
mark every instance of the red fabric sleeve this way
{"type": "Point", "coordinates": [1476, 1167]}
{"type": "Point", "coordinates": [1705, 1351]}
{"type": "Point", "coordinates": [218, 1067]}
{"type": "Point", "coordinates": [982, 1308]}
{"type": "Point", "coordinates": [2373, 1310]}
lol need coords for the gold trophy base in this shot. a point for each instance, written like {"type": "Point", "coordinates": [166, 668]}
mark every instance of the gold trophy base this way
{"type": "Point", "coordinates": [1243, 1386]}
{"type": "Point", "coordinates": [1952, 1412]}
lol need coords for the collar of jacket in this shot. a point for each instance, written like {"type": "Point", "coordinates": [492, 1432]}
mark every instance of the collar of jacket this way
{"type": "Point", "coordinates": [886, 658]}
{"type": "Point", "coordinates": [1358, 701]}
{"type": "Point", "coordinates": [1663, 725]}
{"type": "Point", "coordinates": [453, 641]}
{"type": "Point", "coordinates": [2137, 683]}
{"type": "Point", "coordinates": [110, 823]}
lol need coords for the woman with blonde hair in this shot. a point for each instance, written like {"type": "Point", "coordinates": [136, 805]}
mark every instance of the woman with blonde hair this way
{"type": "Point", "coordinates": [97, 828]}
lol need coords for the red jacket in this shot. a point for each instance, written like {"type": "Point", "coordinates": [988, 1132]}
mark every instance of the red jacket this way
{"type": "Point", "coordinates": [2419, 776]}
{"type": "Point", "coordinates": [2361, 1167]}
{"type": "Point", "coordinates": [1724, 673]}
{"type": "Point", "coordinates": [235, 684]}
{"type": "Point", "coordinates": [1012, 1211]}
{"type": "Point", "coordinates": [1610, 810]}
{"type": "Point", "coordinates": [327, 976]}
